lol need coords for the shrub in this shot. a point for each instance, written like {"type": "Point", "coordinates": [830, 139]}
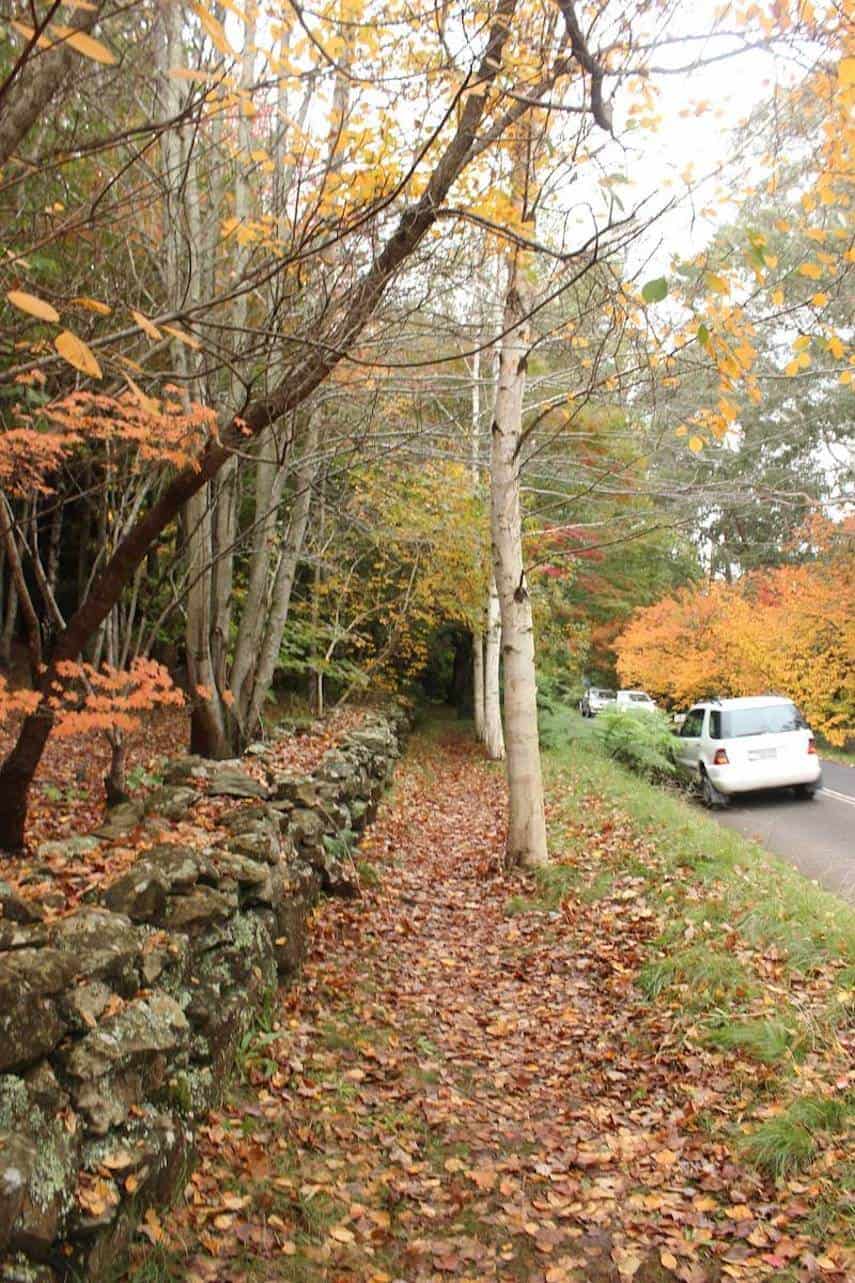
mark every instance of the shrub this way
{"type": "Point", "coordinates": [639, 739]}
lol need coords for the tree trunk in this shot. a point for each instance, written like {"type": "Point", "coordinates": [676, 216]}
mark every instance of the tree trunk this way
{"type": "Point", "coordinates": [478, 684]}
{"type": "Point", "coordinates": [494, 735]}
{"type": "Point", "coordinates": [115, 783]}
{"type": "Point", "coordinates": [526, 842]}
{"type": "Point", "coordinates": [207, 727]}
{"type": "Point", "coordinates": [40, 77]}
{"type": "Point", "coordinates": [283, 584]}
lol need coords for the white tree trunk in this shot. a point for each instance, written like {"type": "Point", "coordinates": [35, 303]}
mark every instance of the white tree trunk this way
{"type": "Point", "coordinates": [494, 736]}
{"type": "Point", "coordinates": [526, 843]}
{"type": "Point", "coordinates": [283, 585]}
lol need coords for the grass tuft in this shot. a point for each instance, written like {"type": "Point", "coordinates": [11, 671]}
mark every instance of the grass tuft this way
{"type": "Point", "coordinates": [710, 976]}
{"type": "Point", "coordinates": [768, 1040]}
{"type": "Point", "coordinates": [790, 1141]}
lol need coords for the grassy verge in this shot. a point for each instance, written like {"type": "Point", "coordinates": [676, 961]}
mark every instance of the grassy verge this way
{"type": "Point", "coordinates": [753, 964]}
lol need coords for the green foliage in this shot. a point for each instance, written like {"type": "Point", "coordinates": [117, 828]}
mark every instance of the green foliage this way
{"type": "Point", "coordinates": [654, 291]}
{"type": "Point", "coordinates": [791, 1140]}
{"type": "Point", "coordinates": [640, 740]}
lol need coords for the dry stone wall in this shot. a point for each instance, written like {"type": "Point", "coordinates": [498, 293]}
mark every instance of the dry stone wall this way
{"type": "Point", "coordinates": [119, 1024]}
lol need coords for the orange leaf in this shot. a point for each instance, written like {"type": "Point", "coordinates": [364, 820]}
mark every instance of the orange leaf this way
{"type": "Point", "coordinates": [92, 305]}
{"type": "Point", "coordinates": [37, 307]}
{"type": "Point", "coordinates": [77, 353]}
{"type": "Point", "coordinates": [215, 30]}
{"type": "Point", "coordinates": [148, 327]}
{"type": "Point", "coordinates": [90, 47]}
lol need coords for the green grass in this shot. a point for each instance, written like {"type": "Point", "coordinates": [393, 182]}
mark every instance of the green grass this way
{"type": "Point", "coordinates": [790, 1141]}
{"type": "Point", "coordinates": [845, 755]}
{"type": "Point", "coordinates": [769, 1040]}
{"type": "Point", "coordinates": [768, 902]}
{"type": "Point", "coordinates": [709, 976]}
{"type": "Point", "coordinates": [552, 883]}
{"type": "Point", "coordinates": [752, 960]}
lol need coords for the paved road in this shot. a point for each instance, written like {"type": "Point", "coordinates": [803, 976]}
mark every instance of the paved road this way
{"type": "Point", "coordinates": [818, 837]}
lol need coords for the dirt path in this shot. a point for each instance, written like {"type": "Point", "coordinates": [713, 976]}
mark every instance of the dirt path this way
{"type": "Point", "coordinates": [453, 1092]}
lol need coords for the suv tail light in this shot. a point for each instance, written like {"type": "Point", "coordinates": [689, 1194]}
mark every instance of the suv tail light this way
{"type": "Point", "coordinates": [721, 758]}
{"type": "Point", "coordinates": [812, 745]}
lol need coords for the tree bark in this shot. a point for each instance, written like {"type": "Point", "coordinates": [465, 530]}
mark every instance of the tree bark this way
{"type": "Point", "coordinates": [299, 380]}
{"type": "Point", "coordinates": [494, 735]}
{"type": "Point", "coordinates": [39, 79]}
{"type": "Point", "coordinates": [283, 584]}
{"type": "Point", "coordinates": [207, 728]}
{"type": "Point", "coordinates": [526, 841]}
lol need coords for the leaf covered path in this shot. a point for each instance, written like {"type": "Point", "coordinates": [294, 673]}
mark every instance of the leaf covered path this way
{"type": "Point", "coordinates": [451, 1091]}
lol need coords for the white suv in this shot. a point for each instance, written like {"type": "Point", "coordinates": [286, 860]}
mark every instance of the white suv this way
{"type": "Point", "coordinates": [636, 700]}
{"type": "Point", "coordinates": [595, 699]}
{"type": "Point", "coordinates": [757, 742]}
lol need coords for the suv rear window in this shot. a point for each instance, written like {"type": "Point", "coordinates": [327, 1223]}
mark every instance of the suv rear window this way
{"type": "Point", "coordinates": [769, 719]}
{"type": "Point", "coordinates": [603, 694]}
{"type": "Point", "coordinates": [638, 697]}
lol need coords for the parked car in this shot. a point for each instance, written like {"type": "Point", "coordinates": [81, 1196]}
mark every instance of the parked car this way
{"type": "Point", "coordinates": [755, 742]}
{"type": "Point", "coordinates": [636, 700]}
{"type": "Point", "coordinates": [595, 699]}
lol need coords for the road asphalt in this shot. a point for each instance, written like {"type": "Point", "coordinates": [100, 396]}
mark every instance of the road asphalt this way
{"type": "Point", "coordinates": [818, 837]}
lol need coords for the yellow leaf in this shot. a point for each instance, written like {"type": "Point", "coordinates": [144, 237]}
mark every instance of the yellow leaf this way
{"type": "Point", "coordinates": [215, 30]}
{"type": "Point", "coordinates": [696, 445]}
{"type": "Point", "coordinates": [717, 283]}
{"type": "Point", "coordinates": [819, 300]}
{"type": "Point", "coordinates": [728, 410]}
{"type": "Point", "coordinates": [668, 1259]}
{"type": "Point", "coordinates": [341, 1234]}
{"type": "Point", "coordinates": [29, 32]}
{"type": "Point", "coordinates": [681, 431]}
{"type": "Point", "coordinates": [183, 337]}
{"type": "Point", "coordinates": [782, 225]}
{"type": "Point", "coordinates": [813, 270]}
{"type": "Point", "coordinates": [188, 73]}
{"type": "Point", "coordinates": [77, 353]}
{"type": "Point", "coordinates": [835, 347]}
{"type": "Point", "coordinates": [146, 325]}
{"type": "Point", "coordinates": [90, 47]}
{"type": "Point", "coordinates": [148, 403]}
{"type": "Point", "coordinates": [771, 260]}
{"type": "Point", "coordinates": [92, 305]}
{"type": "Point", "coordinates": [777, 297]}
{"type": "Point", "coordinates": [846, 72]}
{"type": "Point", "coordinates": [37, 307]}
{"type": "Point", "coordinates": [801, 343]}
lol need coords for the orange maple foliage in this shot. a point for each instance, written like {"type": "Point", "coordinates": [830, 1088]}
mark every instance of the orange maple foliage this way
{"type": "Point", "coordinates": [106, 698]}
{"type": "Point", "coordinates": [790, 629]}
{"type": "Point", "coordinates": [161, 431]}
{"type": "Point", "coordinates": [97, 699]}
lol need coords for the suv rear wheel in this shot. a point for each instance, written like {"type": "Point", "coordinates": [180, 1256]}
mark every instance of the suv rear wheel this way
{"type": "Point", "coordinates": [710, 795]}
{"type": "Point", "coordinates": [806, 791]}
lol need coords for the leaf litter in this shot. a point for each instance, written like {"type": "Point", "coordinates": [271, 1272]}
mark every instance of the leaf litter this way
{"type": "Point", "coordinates": [451, 1090]}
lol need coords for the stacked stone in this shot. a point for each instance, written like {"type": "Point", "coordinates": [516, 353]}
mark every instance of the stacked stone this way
{"type": "Point", "coordinates": [120, 1023]}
